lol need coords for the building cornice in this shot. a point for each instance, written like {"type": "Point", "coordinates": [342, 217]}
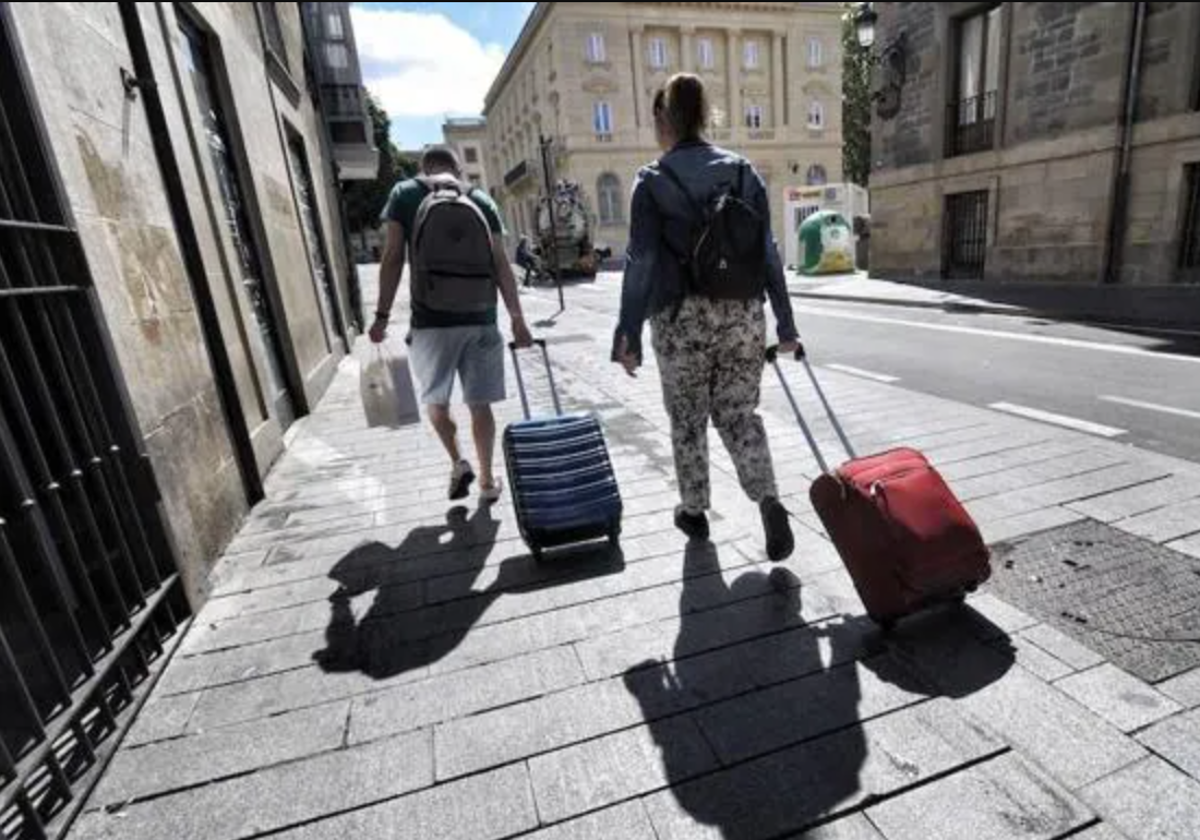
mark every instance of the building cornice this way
{"type": "Point", "coordinates": [541, 11]}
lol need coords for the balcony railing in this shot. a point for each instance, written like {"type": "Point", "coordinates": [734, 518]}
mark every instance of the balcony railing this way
{"type": "Point", "coordinates": [971, 125]}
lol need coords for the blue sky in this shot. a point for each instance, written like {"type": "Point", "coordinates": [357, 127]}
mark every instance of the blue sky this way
{"type": "Point", "coordinates": [426, 61]}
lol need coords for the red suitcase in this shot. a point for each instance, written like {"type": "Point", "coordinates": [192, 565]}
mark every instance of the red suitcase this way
{"type": "Point", "coordinates": [904, 537]}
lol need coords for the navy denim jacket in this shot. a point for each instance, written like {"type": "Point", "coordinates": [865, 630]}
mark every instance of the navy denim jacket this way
{"type": "Point", "coordinates": [660, 214]}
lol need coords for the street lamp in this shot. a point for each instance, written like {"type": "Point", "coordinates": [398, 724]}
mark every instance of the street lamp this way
{"type": "Point", "coordinates": [864, 25]}
{"type": "Point", "coordinates": [891, 57]}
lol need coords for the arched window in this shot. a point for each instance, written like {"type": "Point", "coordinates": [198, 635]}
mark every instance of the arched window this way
{"type": "Point", "coordinates": [608, 198]}
{"type": "Point", "coordinates": [815, 175]}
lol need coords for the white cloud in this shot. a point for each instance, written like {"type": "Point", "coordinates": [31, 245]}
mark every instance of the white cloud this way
{"type": "Point", "coordinates": [422, 64]}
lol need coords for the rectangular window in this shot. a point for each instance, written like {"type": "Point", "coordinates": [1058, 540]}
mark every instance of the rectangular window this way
{"type": "Point", "coordinates": [815, 57]}
{"type": "Point", "coordinates": [475, 180]}
{"type": "Point", "coordinates": [471, 154]}
{"type": "Point", "coordinates": [602, 119]}
{"type": "Point", "coordinates": [750, 55]}
{"type": "Point", "coordinates": [596, 51]}
{"type": "Point", "coordinates": [337, 56]}
{"type": "Point", "coordinates": [754, 116]}
{"type": "Point", "coordinates": [274, 31]}
{"type": "Point", "coordinates": [658, 53]}
{"type": "Point", "coordinates": [335, 30]}
{"type": "Point", "coordinates": [973, 113]}
{"type": "Point", "coordinates": [705, 56]}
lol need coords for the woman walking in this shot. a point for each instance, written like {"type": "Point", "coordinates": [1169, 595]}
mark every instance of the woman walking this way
{"type": "Point", "coordinates": [701, 260]}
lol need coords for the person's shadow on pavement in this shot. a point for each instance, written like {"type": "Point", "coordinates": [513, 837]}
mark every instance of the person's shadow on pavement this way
{"type": "Point", "coordinates": [396, 634]}
{"type": "Point", "coordinates": [779, 714]}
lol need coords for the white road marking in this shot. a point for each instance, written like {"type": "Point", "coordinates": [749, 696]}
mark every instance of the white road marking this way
{"type": "Point", "coordinates": [1056, 341]}
{"type": "Point", "coordinates": [1058, 419]}
{"type": "Point", "coordinates": [865, 374]}
{"type": "Point", "coordinates": [1149, 406]}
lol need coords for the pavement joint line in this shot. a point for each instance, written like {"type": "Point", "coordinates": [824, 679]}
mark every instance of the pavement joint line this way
{"type": "Point", "coordinates": [1149, 406]}
{"type": "Point", "coordinates": [1063, 420]}
{"type": "Point", "coordinates": [1043, 482]}
{"type": "Point", "coordinates": [392, 615]}
{"type": "Point", "coordinates": [749, 563]}
{"type": "Point", "coordinates": [570, 576]}
{"type": "Point", "coordinates": [886, 379]}
{"type": "Point", "coordinates": [1074, 343]}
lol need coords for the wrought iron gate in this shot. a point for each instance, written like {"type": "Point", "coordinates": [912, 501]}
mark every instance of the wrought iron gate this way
{"type": "Point", "coordinates": [964, 237]}
{"type": "Point", "coordinates": [1189, 232]}
{"type": "Point", "coordinates": [89, 595]}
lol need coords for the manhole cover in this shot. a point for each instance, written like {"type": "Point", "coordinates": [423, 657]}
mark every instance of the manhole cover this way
{"type": "Point", "coordinates": [1127, 598]}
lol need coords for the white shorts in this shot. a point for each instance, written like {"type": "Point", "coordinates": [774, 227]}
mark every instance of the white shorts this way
{"type": "Point", "coordinates": [475, 353]}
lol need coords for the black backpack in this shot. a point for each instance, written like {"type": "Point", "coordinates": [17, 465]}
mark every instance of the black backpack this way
{"type": "Point", "coordinates": [452, 250]}
{"type": "Point", "coordinates": [726, 257]}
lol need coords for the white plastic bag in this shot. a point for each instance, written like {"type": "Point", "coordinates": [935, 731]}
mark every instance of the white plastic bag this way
{"type": "Point", "coordinates": [388, 397]}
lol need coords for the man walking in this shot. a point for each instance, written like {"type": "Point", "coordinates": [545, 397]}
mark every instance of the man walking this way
{"type": "Point", "coordinates": [451, 233]}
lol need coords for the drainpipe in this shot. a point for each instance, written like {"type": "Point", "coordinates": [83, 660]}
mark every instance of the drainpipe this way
{"type": "Point", "coordinates": [1118, 211]}
{"type": "Point", "coordinates": [143, 83]}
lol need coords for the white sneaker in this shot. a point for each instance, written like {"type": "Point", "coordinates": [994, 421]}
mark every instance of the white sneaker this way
{"type": "Point", "coordinates": [491, 495]}
{"type": "Point", "coordinates": [460, 480]}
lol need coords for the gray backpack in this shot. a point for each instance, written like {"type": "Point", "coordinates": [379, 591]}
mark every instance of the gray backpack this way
{"type": "Point", "coordinates": [452, 250]}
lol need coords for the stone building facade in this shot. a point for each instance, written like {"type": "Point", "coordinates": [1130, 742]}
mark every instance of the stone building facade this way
{"type": "Point", "coordinates": [584, 75]}
{"type": "Point", "coordinates": [1003, 158]}
{"type": "Point", "coordinates": [197, 174]}
{"type": "Point", "coordinates": [467, 136]}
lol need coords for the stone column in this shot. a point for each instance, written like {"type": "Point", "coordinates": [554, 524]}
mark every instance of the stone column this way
{"type": "Point", "coordinates": [778, 83]}
{"type": "Point", "coordinates": [640, 108]}
{"type": "Point", "coordinates": [733, 79]}
{"type": "Point", "coordinates": [687, 49]}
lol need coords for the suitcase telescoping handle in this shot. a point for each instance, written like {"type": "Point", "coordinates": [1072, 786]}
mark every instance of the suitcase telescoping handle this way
{"type": "Point", "coordinates": [539, 342]}
{"type": "Point", "coordinates": [801, 356]}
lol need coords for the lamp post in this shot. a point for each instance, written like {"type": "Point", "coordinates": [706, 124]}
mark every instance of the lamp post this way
{"type": "Point", "coordinates": [892, 57]}
{"type": "Point", "coordinates": [544, 143]}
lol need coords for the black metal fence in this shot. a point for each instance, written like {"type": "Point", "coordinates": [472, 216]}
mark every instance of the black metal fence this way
{"type": "Point", "coordinates": [964, 239]}
{"type": "Point", "coordinates": [971, 125]}
{"type": "Point", "coordinates": [1189, 232]}
{"type": "Point", "coordinates": [89, 595]}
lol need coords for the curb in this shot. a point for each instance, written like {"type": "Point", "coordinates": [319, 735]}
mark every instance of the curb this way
{"type": "Point", "coordinates": [981, 308]}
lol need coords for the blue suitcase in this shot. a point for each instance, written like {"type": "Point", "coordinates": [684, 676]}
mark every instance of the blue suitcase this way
{"type": "Point", "coordinates": [560, 475]}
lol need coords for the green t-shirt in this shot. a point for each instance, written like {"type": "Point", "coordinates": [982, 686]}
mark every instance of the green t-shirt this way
{"type": "Point", "coordinates": [402, 205]}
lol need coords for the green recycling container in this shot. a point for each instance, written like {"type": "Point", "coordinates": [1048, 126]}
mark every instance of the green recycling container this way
{"type": "Point", "coordinates": [826, 244]}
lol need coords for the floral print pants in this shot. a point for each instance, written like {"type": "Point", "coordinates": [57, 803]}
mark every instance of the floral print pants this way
{"type": "Point", "coordinates": [710, 358]}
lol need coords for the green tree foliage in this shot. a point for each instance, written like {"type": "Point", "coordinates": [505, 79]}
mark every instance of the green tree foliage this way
{"type": "Point", "coordinates": [856, 103]}
{"type": "Point", "coordinates": [365, 199]}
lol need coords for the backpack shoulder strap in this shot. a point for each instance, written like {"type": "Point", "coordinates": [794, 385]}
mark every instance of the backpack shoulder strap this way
{"type": "Point", "coordinates": [674, 178]}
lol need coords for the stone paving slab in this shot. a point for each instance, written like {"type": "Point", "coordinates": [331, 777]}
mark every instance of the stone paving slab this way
{"type": "Point", "coordinates": [1149, 800]}
{"type": "Point", "coordinates": [792, 789]}
{"type": "Point", "coordinates": [171, 765]}
{"type": "Point", "coordinates": [274, 798]}
{"type": "Point", "coordinates": [485, 807]}
{"type": "Point", "coordinates": [1120, 698]}
{"type": "Point", "coordinates": [995, 800]}
{"type": "Point", "coordinates": [1177, 740]}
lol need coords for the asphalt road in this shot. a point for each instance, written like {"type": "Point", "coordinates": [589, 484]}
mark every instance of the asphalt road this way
{"type": "Point", "coordinates": [1127, 384]}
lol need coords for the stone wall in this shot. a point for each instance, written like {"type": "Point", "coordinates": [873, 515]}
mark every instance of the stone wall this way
{"type": "Point", "coordinates": [101, 143]}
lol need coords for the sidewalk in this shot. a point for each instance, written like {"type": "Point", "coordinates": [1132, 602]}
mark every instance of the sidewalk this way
{"type": "Point", "coordinates": [861, 288]}
{"type": "Point", "coordinates": [1165, 306]}
{"type": "Point", "coordinates": [453, 689]}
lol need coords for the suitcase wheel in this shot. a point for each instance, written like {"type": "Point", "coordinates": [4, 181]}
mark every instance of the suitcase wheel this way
{"type": "Point", "coordinates": [538, 555]}
{"type": "Point", "coordinates": [614, 534]}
